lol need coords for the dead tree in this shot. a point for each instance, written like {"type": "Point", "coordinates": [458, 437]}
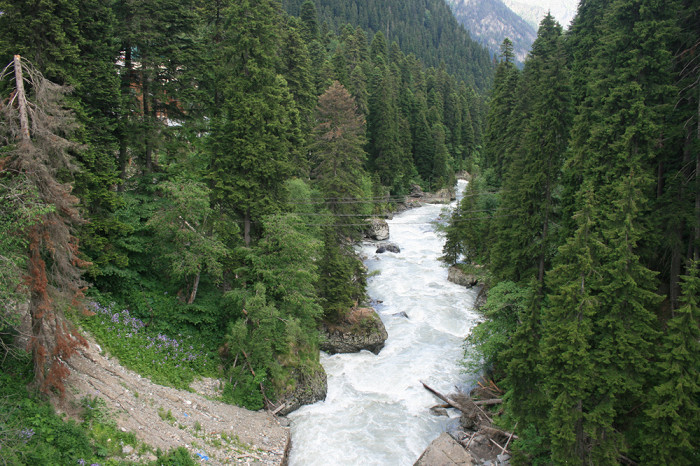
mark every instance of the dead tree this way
{"type": "Point", "coordinates": [35, 127]}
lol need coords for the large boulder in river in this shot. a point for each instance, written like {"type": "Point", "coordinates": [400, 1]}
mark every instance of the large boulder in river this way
{"type": "Point", "coordinates": [416, 191]}
{"type": "Point", "coordinates": [306, 389]}
{"type": "Point", "coordinates": [456, 275]}
{"type": "Point", "coordinates": [442, 196]}
{"type": "Point", "coordinates": [361, 329]}
{"type": "Point", "coordinates": [388, 247]}
{"type": "Point", "coordinates": [377, 229]}
{"type": "Point", "coordinates": [445, 451]}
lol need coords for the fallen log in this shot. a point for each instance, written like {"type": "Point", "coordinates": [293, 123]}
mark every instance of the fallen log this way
{"type": "Point", "coordinates": [453, 403]}
{"type": "Point", "coordinates": [503, 450]}
{"type": "Point", "coordinates": [444, 398]}
{"type": "Point", "coordinates": [492, 402]}
{"type": "Point", "coordinates": [510, 437]}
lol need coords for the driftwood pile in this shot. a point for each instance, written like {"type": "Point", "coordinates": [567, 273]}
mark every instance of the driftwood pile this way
{"type": "Point", "coordinates": [479, 436]}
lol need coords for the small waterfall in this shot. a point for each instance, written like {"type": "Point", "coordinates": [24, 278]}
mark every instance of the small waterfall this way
{"type": "Point", "coordinates": [376, 411]}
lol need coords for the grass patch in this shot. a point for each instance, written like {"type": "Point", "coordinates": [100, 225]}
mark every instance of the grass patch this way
{"type": "Point", "coordinates": [167, 416]}
{"type": "Point", "coordinates": [175, 362]}
{"type": "Point", "coordinates": [32, 433]}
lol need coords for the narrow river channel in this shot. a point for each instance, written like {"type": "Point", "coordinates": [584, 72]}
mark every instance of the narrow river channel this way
{"type": "Point", "coordinates": [376, 411]}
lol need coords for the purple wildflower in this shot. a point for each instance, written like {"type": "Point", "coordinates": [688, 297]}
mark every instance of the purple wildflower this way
{"type": "Point", "coordinates": [26, 434]}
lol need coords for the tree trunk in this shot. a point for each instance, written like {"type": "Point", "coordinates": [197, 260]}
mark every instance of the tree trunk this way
{"type": "Point", "coordinates": [21, 100]}
{"type": "Point", "coordinates": [696, 252]}
{"type": "Point", "coordinates": [195, 285]}
{"type": "Point", "coordinates": [148, 155]}
{"type": "Point", "coordinates": [246, 228]}
{"type": "Point", "coordinates": [123, 126]}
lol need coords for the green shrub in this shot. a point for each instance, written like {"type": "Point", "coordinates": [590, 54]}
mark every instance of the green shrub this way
{"type": "Point", "coordinates": [490, 339]}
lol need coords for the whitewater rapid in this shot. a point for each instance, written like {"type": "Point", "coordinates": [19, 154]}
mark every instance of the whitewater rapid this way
{"type": "Point", "coordinates": [376, 411]}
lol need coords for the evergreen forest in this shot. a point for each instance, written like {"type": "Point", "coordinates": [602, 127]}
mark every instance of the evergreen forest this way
{"type": "Point", "coordinates": [196, 173]}
{"type": "Point", "coordinates": [584, 220]}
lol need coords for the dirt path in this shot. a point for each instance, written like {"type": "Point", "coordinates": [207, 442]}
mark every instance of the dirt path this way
{"type": "Point", "coordinates": [225, 434]}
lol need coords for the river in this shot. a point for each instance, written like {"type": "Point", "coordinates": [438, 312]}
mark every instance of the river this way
{"type": "Point", "coordinates": [376, 411]}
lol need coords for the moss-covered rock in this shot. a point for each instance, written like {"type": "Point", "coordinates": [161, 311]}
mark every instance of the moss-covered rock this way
{"type": "Point", "coordinates": [361, 329]}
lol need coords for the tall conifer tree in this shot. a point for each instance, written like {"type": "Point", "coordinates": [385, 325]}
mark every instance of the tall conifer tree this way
{"type": "Point", "coordinates": [618, 131]}
{"type": "Point", "coordinates": [259, 128]}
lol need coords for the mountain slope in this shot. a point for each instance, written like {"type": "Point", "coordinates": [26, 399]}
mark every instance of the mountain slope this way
{"type": "Point", "coordinates": [533, 11]}
{"type": "Point", "coordinates": [425, 28]}
{"type": "Point", "coordinates": [491, 21]}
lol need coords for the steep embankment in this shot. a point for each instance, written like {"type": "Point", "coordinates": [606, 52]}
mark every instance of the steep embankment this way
{"type": "Point", "coordinates": [166, 418]}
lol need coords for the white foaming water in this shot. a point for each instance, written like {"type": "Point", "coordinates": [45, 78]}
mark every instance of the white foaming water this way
{"type": "Point", "coordinates": [376, 411]}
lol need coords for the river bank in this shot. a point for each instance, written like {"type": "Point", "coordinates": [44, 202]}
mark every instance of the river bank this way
{"type": "Point", "coordinates": [165, 418]}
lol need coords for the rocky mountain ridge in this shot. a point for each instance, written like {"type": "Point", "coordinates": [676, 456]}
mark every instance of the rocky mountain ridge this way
{"type": "Point", "coordinates": [491, 21]}
{"type": "Point", "coordinates": [533, 11]}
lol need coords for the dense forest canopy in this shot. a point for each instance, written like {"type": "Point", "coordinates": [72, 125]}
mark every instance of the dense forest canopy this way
{"type": "Point", "coordinates": [425, 28]}
{"type": "Point", "coordinates": [201, 169]}
{"type": "Point", "coordinates": [213, 163]}
{"type": "Point", "coordinates": [586, 214]}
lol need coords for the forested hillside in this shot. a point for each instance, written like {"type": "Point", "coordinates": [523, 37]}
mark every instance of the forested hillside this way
{"type": "Point", "coordinates": [425, 28]}
{"type": "Point", "coordinates": [197, 171]}
{"type": "Point", "coordinates": [586, 214]}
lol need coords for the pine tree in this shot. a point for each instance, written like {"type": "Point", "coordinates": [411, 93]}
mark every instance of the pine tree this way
{"type": "Point", "coordinates": [252, 142]}
{"type": "Point", "coordinates": [338, 154]}
{"type": "Point", "coordinates": [296, 68]}
{"type": "Point", "coordinates": [275, 339]}
{"type": "Point", "coordinates": [503, 98]}
{"type": "Point", "coordinates": [423, 149]}
{"type": "Point", "coordinates": [383, 132]}
{"type": "Point", "coordinates": [617, 136]}
{"type": "Point", "coordinates": [342, 277]}
{"type": "Point", "coordinates": [309, 21]}
{"type": "Point", "coordinates": [442, 172]}
{"type": "Point", "coordinates": [566, 348]}
{"type": "Point", "coordinates": [75, 44]}
{"type": "Point", "coordinates": [672, 408]}
{"type": "Point", "coordinates": [524, 244]}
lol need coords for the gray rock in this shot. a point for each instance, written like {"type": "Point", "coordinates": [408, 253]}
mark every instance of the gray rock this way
{"type": "Point", "coordinates": [390, 247]}
{"type": "Point", "coordinates": [503, 459]}
{"type": "Point", "coordinates": [400, 314]}
{"type": "Point", "coordinates": [377, 229]}
{"type": "Point", "coordinates": [455, 275]}
{"type": "Point", "coordinates": [438, 411]}
{"type": "Point", "coordinates": [444, 451]}
{"type": "Point", "coordinates": [443, 196]}
{"type": "Point", "coordinates": [416, 191]}
{"type": "Point", "coordinates": [284, 422]}
{"type": "Point", "coordinates": [362, 330]}
{"type": "Point", "coordinates": [309, 389]}
{"type": "Point", "coordinates": [127, 449]}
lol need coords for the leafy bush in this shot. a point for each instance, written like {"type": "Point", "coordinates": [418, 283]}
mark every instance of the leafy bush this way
{"type": "Point", "coordinates": [30, 430]}
{"type": "Point", "coordinates": [177, 457]}
{"type": "Point", "coordinates": [491, 338]}
{"type": "Point", "coordinates": [245, 390]}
